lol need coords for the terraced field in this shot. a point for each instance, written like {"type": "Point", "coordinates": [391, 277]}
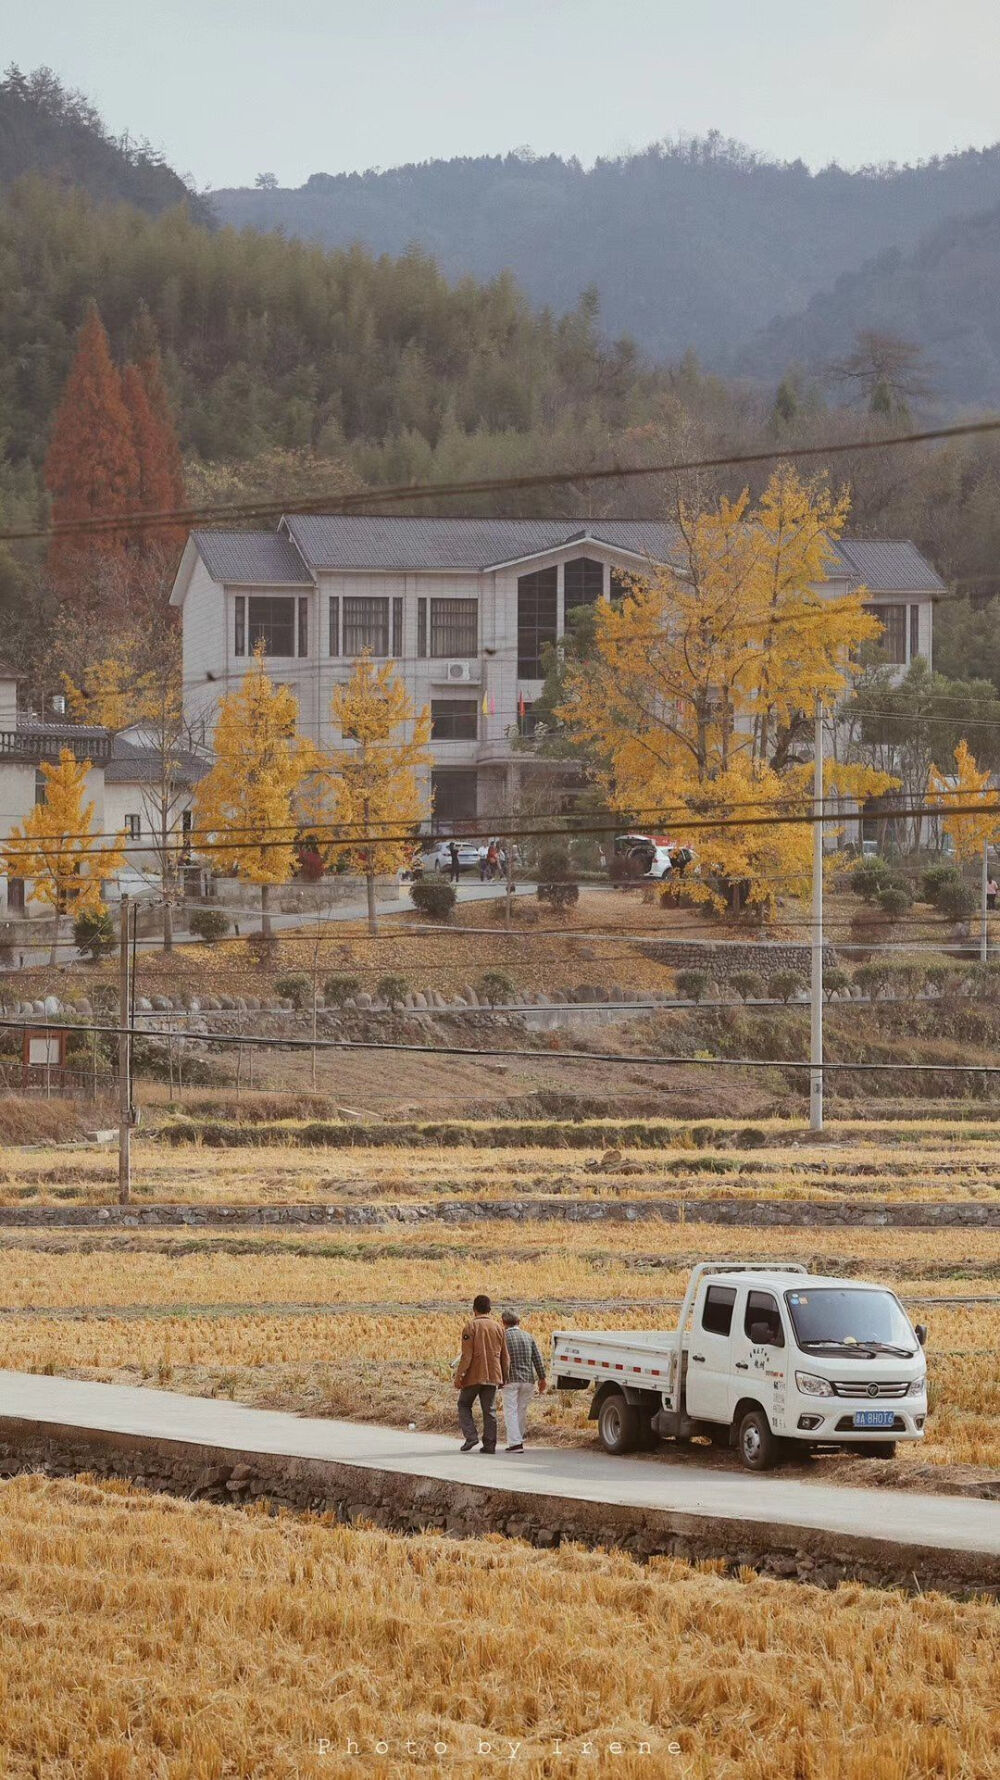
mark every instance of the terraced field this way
{"type": "Point", "coordinates": [907, 1160]}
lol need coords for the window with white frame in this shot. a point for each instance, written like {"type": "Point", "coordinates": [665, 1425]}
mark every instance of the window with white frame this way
{"type": "Point", "coordinates": [892, 643]}
{"type": "Point", "coordinates": [277, 622]}
{"type": "Point", "coordinates": [366, 625]}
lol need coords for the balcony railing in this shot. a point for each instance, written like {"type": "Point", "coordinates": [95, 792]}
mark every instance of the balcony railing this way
{"type": "Point", "coordinates": [30, 745]}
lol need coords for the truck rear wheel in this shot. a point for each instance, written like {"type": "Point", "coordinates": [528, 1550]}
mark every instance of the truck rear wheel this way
{"type": "Point", "coordinates": [618, 1424]}
{"type": "Point", "coordinates": [755, 1443]}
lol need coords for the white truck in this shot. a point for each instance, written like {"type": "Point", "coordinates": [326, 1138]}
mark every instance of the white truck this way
{"type": "Point", "coordinates": [764, 1353]}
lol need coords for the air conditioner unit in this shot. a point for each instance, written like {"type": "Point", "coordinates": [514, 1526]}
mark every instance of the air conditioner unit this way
{"type": "Point", "coordinates": [462, 673]}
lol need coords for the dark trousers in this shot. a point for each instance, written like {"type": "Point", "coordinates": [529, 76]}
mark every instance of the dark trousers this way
{"type": "Point", "coordinates": [487, 1394]}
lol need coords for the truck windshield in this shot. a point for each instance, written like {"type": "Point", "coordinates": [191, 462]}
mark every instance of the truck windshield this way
{"type": "Point", "coordinates": [849, 1317]}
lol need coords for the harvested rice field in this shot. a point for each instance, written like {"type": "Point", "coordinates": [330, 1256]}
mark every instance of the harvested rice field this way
{"type": "Point", "coordinates": [366, 1326]}
{"type": "Point", "coordinates": [932, 1162]}
{"type": "Point", "coordinates": [143, 1638]}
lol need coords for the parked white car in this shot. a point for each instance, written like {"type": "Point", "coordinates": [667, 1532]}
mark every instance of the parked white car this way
{"type": "Point", "coordinates": [764, 1355]}
{"type": "Point", "coordinates": [132, 881]}
{"type": "Point", "coordinates": [469, 855]}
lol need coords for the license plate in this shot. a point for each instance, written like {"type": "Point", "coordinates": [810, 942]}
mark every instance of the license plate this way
{"type": "Point", "coordinates": [874, 1418]}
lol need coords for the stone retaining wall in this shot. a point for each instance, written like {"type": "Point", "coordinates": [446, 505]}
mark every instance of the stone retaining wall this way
{"type": "Point", "coordinates": [775, 1214]}
{"type": "Point", "coordinates": [723, 959]}
{"type": "Point", "coordinates": [412, 1504]}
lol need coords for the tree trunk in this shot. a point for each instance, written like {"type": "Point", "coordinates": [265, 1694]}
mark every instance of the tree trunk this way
{"type": "Point", "coordinates": [56, 930]}
{"type": "Point", "coordinates": [265, 910]}
{"type": "Point", "coordinates": [168, 923]}
{"type": "Point", "coordinates": [372, 915]}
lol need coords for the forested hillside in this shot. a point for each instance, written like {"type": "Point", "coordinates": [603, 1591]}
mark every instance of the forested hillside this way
{"type": "Point", "coordinates": [46, 129]}
{"type": "Point", "coordinates": [275, 343]}
{"type": "Point", "coordinates": [942, 295]}
{"type": "Point", "coordinates": [694, 245]}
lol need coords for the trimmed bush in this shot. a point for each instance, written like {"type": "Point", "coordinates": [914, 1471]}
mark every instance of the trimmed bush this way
{"type": "Point", "coordinates": [209, 924]}
{"type": "Point", "coordinates": [496, 986]}
{"type": "Point", "coordinates": [875, 977]}
{"type": "Point", "coordinates": [392, 989]}
{"type": "Point", "coordinates": [747, 984]}
{"type": "Point", "coordinates": [94, 934]}
{"type": "Point", "coordinates": [337, 990]}
{"type": "Point", "coordinates": [296, 988]}
{"type": "Point", "coordinates": [870, 877]}
{"type": "Point", "coordinates": [957, 901]}
{"type": "Point", "coordinates": [894, 900]}
{"type": "Point", "coordinates": [433, 897]}
{"type": "Point", "coordinates": [936, 878]}
{"type": "Point", "coordinates": [555, 885]}
{"type": "Point", "coordinates": [692, 983]}
{"type": "Point", "coordinates": [784, 984]}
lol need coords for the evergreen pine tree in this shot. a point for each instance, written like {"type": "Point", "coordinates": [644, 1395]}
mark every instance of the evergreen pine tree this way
{"type": "Point", "coordinates": [91, 468]}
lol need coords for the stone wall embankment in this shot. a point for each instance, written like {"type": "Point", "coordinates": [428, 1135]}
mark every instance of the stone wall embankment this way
{"type": "Point", "coordinates": [404, 1503]}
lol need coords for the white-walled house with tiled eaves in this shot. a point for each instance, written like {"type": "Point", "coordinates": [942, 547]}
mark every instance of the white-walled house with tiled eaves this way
{"type": "Point", "coordinates": [464, 606]}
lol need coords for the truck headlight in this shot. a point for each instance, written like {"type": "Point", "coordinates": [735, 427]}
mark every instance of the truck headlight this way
{"type": "Point", "coordinates": [811, 1385]}
{"type": "Point", "coordinates": [918, 1386]}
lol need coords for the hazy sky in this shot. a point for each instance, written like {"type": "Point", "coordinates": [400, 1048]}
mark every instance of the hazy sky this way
{"type": "Point", "coordinates": [230, 87]}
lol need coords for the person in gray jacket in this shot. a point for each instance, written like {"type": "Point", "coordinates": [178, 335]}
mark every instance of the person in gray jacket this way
{"type": "Point", "coordinates": [527, 1370]}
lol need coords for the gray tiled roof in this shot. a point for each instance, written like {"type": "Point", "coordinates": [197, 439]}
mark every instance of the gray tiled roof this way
{"type": "Point", "coordinates": [133, 763]}
{"type": "Point", "coordinates": [350, 541]}
{"type": "Point", "coordinates": [887, 565]}
{"type": "Point", "coordinates": [317, 541]}
{"type": "Point", "coordinates": [252, 559]}
{"type": "Point", "coordinates": [353, 541]}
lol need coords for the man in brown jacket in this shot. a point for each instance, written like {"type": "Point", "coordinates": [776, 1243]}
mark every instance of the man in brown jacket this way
{"type": "Point", "coordinates": [484, 1366]}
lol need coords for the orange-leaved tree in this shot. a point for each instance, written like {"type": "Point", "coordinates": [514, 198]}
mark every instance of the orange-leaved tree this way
{"type": "Point", "coordinates": [698, 695]}
{"type": "Point", "coordinates": [245, 807]}
{"type": "Point", "coordinates": [56, 849]}
{"type": "Point", "coordinates": [91, 468]}
{"type": "Point", "coordinates": [370, 786]}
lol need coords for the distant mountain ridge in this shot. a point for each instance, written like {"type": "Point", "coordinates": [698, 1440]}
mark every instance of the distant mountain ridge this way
{"type": "Point", "coordinates": [942, 294]}
{"type": "Point", "coordinates": [695, 245]}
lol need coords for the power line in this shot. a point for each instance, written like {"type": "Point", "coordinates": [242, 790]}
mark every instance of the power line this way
{"type": "Point", "coordinates": [540, 1055]}
{"type": "Point", "coordinates": [145, 520]}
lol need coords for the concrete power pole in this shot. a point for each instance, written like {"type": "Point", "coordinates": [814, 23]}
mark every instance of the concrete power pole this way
{"type": "Point", "coordinates": [816, 972]}
{"type": "Point", "coordinates": [983, 933]}
{"type": "Point", "coordinates": [124, 1058]}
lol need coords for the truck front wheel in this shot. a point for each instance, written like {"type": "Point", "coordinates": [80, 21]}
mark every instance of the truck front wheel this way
{"type": "Point", "coordinates": [755, 1443]}
{"type": "Point", "coordinates": [618, 1424]}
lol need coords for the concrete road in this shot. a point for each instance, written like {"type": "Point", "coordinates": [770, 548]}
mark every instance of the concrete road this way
{"type": "Point", "coordinates": [948, 1523]}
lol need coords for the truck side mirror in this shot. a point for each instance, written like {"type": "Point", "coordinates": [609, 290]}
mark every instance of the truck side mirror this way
{"type": "Point", "coordinates": [920, 1330]}
{"type": "Point", "coordinates": [762, 1334]}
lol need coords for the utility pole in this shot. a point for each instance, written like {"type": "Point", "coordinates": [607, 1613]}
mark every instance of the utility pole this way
{"type": "Point", "coordinates": [124, 1058]}
{"type": "Point", "coordinates": [983, 948]}
{"type": "Point", "coordinates": [816, 973]}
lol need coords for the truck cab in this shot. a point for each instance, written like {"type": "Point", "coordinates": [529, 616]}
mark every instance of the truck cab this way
{"type": "Point", "coordinates": [830, 1362]}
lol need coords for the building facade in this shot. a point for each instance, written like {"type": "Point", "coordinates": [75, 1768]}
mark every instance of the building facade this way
{"type": "Point", "coordinates": [465, 608]}
{"type": "Point", "coordinates": [124, 781]}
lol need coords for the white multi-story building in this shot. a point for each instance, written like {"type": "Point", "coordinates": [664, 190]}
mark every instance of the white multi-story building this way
{"type": "Point", "coordinates": [465, 607]}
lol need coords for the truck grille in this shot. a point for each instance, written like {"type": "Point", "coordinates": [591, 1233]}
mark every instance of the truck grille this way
{"type": "Point", "coordinates": [852, 1388]}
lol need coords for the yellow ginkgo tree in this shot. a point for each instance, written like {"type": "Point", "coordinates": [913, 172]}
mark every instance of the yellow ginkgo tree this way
{"type": "Point", "coordinates": [369, 788]}
{"type": "Point", "coordinates": [138, 686]}
{"type": "Point", "coordinates": [698, 697]}
{"type": "Point", "coordinates": [246, 806]}
{"type": "Point", "coordinates": [974, 822]}
{"type": "Point", "coordinates": [56, 849]}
